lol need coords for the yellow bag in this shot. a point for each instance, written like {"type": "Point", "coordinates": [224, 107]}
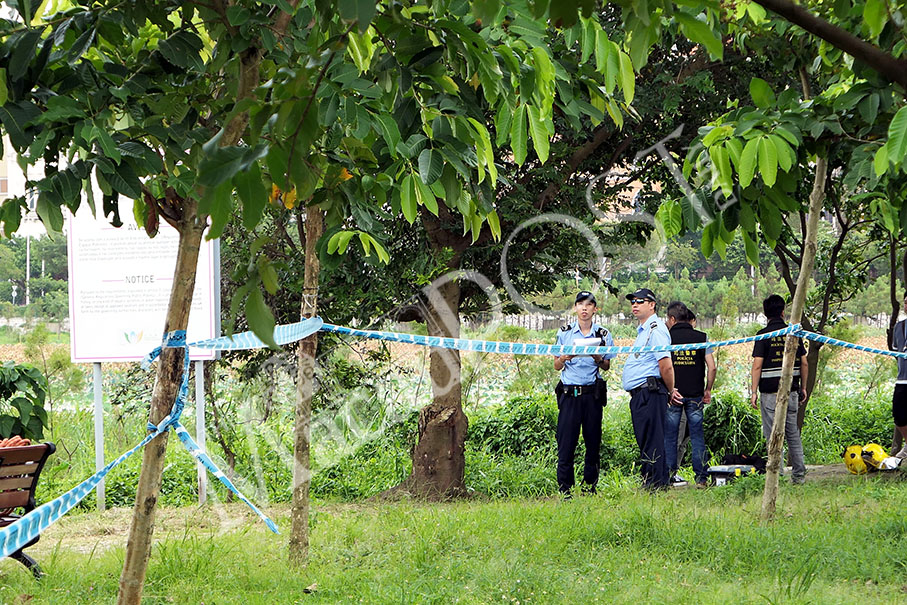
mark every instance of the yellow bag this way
{"type": "Point", "coordinates": [853, 460]}
{"type": "Point", "coordinates": [873, 454]}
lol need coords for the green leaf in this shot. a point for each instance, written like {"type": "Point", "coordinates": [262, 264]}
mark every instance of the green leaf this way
{"type": "Point", "coordinates": [268, 274]}
{"type": "Point", "coordinates": [23, 53]}
{"type": "Point", "coordinates": [627, 77]}
{"type": "Point", "coordinates": [786, 156]}
{"type": "Point", "coordinates": [747, 168]}
{"type": "Point", "coordinates": [494, 223]}
{"type": "Point", "coordinates": [771, 220]}
{"type": "Point", "coordinates": [252, 193]}
{"type": "Point", "coordinates": [539, 134]}
{"type": "Point", "coordinates": [237, 15]}
{"type": "Point", "coordinates": [390, 131]}
{"type": "Point", "coordinates": [880, 162]}
{"type": "Point", "coordinates": [48, 209]}
{"type": "Point", "coordinates": [787, 135]}
{"type": "Point", "coordinates": [368, 242]}
{"type": "Point", "coordinates": [897, 136]}
{"type": "Point", "coordinates": [219, 165]}
{"type": "Point", "coordinates": [361, 49]}
{"type": "Point", "coordinates": [340, 241]}
{"type": "Point", "coordinates": [721, 164]}
{"type": "Point", "coordinates": [735, 150]}
{"type": "Point", "coordinates": [425, 197]}
{"type": "Point", "coordinates": [260, 318]}
{"type": "Point", "coordinates": [182, 50]}
{"type": "Point", "coordinates": [768, 161]}
{"type": "Point", "coordinates": [708, 239]}
{"type": "Point", "coordinates": [125, 181]}
{"type": "Point", "coordinates": [587, 41]}
{"type": "Point", "coordinates": [699, 32]}
{"type": "Point", "coordinates": [614, 111]}
{"type": "Point", "coordinates": [518, 135]}
{"type": "Point", "coordinates": [81, 45]}
{"type": "Point", "coordinates": [875, 15]}
{"type": "Point", "coordinates": [544, 80]}
{"type": "Point", "coordinates": [602, 48]}
{"type": "Point", "coordinates": [430, 166]}
{"type": "Point", "coordinates": [408, 198]}
{"type": "Point", "coordinates": [669, 217]}
{"type": "Point", "coordinates": [762, 94]}
{"type": "Point", "coordinates": [4, 92]}
{"type": "Point", "coordinates": [220, 206]}
{"type": "Point", "coordinates": [15, 117]}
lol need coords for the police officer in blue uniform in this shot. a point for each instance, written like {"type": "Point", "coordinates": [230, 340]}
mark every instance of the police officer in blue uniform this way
{"type": "Point", "coordinates": [581, 395]}
{"type": "Point", "coordinates": [649, 378]}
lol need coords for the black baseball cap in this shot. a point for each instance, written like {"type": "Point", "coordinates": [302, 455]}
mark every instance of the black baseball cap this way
{"type": "Point", "coordinates": [643, 293]}
{"type": "Point", "coordinates": [585, 295]}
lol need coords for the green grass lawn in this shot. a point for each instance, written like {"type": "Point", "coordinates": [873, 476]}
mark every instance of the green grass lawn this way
{"type": "Point", "coordinates": [836, 540]}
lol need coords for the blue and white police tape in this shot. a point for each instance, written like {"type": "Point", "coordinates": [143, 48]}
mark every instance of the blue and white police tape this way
{"type": "Point", "coordinates": [209, 464]}
{"type": "Point", "coordinates": [18, 534]}
{"type": "Point", "coordinates": [821, 338]}
{"type": "Point", "coordinates": [522, 348]}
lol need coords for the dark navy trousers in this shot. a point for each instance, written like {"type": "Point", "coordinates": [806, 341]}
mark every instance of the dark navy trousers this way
{"type": "Point", "coordinates": [575, 413]}
{"type": "Point", "coordinates": [648, 410]}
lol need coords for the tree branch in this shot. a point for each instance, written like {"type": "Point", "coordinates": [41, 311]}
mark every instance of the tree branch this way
{"type": "Point", "coordinates": [580, 155]}
{"type": "Point", "coordinates": [887, 65]}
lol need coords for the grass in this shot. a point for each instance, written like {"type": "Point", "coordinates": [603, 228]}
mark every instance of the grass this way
{"type": "Point", "coordinates": [835, 541]}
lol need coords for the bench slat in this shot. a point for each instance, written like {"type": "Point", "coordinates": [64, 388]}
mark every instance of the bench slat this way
{"type": "Point", "coordinates": [13, 499]}
{"type": "Point", "coordinates": [25, 453]}
{"type": "Point", "coordinates": [11, 483]}
{"type": "Point", "coordinates": [14, 470]}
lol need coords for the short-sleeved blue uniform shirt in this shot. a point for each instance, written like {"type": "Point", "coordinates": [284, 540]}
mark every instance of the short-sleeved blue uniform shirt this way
{"type": "Point", "coordinates": [581, 370]}
{"type": "Point", "coordinates": [652, 333]}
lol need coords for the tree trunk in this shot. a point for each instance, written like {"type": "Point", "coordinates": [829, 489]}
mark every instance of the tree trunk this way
{"type": "Point", "coordinates": [776, 440]}
{"type": "Point", "coordinates": [439, 462]}
{"type": "Point", "coordinates": [166, 386]}
{"type": "Point", "coordinates": [305, 381]}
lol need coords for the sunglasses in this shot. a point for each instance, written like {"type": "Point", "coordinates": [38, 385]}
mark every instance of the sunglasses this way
{"type": "Point", "coordinates": [639, 301]}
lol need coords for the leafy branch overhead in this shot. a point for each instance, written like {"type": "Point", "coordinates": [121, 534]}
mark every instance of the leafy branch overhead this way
{"type": "Point", "coordinates": [361, 108]}
{"type": "Point", "coordinates": [752, 165]}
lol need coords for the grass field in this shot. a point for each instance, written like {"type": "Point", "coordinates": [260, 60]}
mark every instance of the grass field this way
{"type": "Point", "coordinates": [836, 540]}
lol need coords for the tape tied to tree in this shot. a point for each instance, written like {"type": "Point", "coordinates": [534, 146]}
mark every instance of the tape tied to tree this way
{"type": "Point", "coordinates": [15, 536]}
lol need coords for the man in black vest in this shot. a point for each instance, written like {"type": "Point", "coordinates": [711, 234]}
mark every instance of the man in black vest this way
{"type": "Point", "coordinates": [766, 377]}
{"type": "Point", "coordinates": [694, 390]}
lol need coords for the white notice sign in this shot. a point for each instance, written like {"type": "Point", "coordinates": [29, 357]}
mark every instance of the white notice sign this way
{"type": "Point", "coordinates": [119, 289]}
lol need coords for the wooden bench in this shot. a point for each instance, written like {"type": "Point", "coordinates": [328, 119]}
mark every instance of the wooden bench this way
{"type": "Point", "coordinates": [20, 468]}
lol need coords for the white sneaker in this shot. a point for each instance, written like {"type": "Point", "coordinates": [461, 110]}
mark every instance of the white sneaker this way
{"type": "Point", "coordinates": [678, 481]}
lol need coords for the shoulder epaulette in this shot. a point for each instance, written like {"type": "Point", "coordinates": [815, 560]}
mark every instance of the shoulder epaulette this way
{"type": "Point", "coordinates": [601, 332]}
{"type": "Point", "coordinates": [566, 328]}
{"type": "Point", "coordinates": [653, 325]}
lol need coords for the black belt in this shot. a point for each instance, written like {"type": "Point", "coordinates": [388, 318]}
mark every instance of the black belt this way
{"type": "Point", "coordinates": [644, 386]}
{"type": "Point", "coordinates": [575, 390]}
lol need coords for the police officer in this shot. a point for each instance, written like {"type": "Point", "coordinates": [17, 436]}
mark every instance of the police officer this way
{"type": "Point", "coordinates": [766, 379]}
{"type": "Point", "coordinates": [649, 378]}
{"type": "Point", "coordinates": [899, 399]}
{"type": "Point", "coordinates": [581, 394]}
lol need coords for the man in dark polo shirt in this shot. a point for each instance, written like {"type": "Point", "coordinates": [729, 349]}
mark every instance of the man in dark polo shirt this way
{"type": "Point", "coordinates": [694, 386]}
{"type": "Point", "coordinates": [766, 377]}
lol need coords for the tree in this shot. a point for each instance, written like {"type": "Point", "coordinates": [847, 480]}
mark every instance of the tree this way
{"type": "Point", "coordinates": [768, 150]}
{"type": "Point", "coordinates": [177, 106]}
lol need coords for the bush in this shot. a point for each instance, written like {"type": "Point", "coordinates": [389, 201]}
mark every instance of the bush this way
{"type": "Point", "coordinates": [520, 427]}
{"type": "Point", "coordinates": [732, 426]}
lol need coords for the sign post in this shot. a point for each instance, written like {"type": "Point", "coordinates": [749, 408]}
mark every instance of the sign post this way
{"type": "Point", "coordinates": [119, 290]}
